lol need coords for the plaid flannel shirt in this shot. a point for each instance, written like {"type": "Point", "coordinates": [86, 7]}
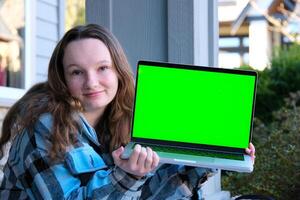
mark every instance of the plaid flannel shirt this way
{"type": "Point", "coordinates": [85, 173]}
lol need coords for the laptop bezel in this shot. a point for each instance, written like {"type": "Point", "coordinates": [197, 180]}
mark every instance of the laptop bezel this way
{"type": "Point", "coordinates": [184, 144]}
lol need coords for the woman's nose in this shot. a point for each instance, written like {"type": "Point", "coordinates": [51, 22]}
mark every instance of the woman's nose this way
{"type": "Point", "coordinates": [91, 80]}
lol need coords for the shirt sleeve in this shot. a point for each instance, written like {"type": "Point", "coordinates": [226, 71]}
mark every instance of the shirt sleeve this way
{"type": "Point", "coordinates": [175, 182]}
{"type": "Point", "coordinates": [123, 186]}
{"type": "Point", "coordinates": [62, 181]}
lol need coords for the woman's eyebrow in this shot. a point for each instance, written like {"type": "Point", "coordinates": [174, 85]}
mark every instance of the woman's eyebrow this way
{"type": "Point", "coordinates": [72, 65]}
{"type": "Point", "coordinates": [106, 62]}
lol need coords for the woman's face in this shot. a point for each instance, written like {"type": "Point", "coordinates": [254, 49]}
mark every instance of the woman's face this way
{"type": "Point", "coordinates": [89, 73]}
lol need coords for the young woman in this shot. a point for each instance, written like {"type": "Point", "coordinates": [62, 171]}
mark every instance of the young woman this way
{"type": "Point", "coordinates": [68, 133]}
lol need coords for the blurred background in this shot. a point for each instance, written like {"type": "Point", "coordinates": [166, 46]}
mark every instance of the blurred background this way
{"type": "Point", "coordinates": [261, 35]}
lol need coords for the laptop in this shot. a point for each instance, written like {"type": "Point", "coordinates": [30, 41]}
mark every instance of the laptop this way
{"type": "Point", "coordinates": [194, 115]}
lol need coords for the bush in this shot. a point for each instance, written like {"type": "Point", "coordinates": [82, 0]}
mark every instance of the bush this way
{"type": "Point", "coordinates": [277, 166]}
{"type": "Point", "coordinates": [275, 83]}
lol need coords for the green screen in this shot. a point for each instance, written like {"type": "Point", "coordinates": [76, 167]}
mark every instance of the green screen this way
{"type": "Point", "coordinates": [193, 106]}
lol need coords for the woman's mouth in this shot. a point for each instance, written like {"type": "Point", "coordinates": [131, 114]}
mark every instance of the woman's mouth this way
{"type": "Point", "coordinates": [93, 94]}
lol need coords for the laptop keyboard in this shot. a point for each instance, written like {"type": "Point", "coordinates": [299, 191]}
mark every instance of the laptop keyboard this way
{"type": "Point", "coordinates": [196, 152]}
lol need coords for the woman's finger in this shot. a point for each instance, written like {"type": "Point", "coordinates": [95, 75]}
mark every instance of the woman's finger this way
{"type": "Point", "coordinates": [248, 151]}
{"type": "Point", "coordinates": [116, 155]}
{"type": "Point", "coordinates": [134, 157]}
{"type": "Point", "coordinates": [149, 158]}
{"type": "Point", "coordinates": [252, 148]}
{"type": "Point", "coordinates": [142, 159]}
{"type": "Point", "coordinates": [251, 152]}
{"type": "Point", "coordinates": [155, 160]}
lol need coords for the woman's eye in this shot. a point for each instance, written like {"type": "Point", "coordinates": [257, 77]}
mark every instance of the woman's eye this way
{"type": "Point", "coordinates": [76, 72]}
{"type": "Point", "coordinates": [103, 68]}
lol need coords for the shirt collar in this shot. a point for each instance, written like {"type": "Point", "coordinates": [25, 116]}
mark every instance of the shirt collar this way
{"type": "Point", "coordinates": [88, 130]}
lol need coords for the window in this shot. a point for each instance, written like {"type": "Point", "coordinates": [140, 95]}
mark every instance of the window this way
{"type": "Point", "coordinates": [12, 40]}
{"type": "Point", "coordinates": [16, 23]}
{"type": "Point", "coordinates": [234, 51]}
{"type": "Point", "coordinates": [229, 42]}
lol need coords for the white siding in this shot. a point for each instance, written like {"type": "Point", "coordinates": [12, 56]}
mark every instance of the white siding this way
{"type": "Point", "coordinates": [47, 12]}
{"type": "Point", "coordinates": [46, 30]}
{"type": "Point", "coordinates": [44, 47]}
{"type": "Point", "coordinates": [40, 77]}
{"type": "Point", "coordinates": [43, 62]}
{"type": "Point", "coordinates": [49, 22]}
{"type": "Point", "coordinates": [50, 2]}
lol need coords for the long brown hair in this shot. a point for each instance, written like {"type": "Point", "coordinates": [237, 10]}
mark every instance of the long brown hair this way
{"type": "Point", "coordinates": [112, 128]}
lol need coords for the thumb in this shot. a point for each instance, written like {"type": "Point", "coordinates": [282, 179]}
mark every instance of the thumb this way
{"type": "Point", "coordinates": [117, 153]}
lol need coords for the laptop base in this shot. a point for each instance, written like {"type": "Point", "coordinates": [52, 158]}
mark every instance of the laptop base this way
{"type": "Point", "coordinates": [244, 165]}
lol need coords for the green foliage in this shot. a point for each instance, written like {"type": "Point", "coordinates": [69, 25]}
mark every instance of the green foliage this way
{"type": "Point", "coordinates": [275, 83]}
{"type": "Point", "coordinates": [75, 13]}
{"type": "Point", "coordinates": [276, 133]}
{"type": "Point", "coordinates": [285, 71]}
{"type": "Point", "coordinates": [277, 166]}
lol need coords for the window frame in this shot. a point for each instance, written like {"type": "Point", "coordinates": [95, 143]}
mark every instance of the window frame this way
{"type": "Point", "coordinates": [9, 95]}
{"type": "Point", "coordinates": [241, 49]}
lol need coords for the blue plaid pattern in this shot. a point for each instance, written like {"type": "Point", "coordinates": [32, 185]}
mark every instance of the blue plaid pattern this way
{"type": "Point", "coordinates": [85, 174]}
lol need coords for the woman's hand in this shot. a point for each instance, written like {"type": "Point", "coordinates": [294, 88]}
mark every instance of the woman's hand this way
{"type": "Point", "coordinates": [251, 151]}
{"type": "Point", "coordinates": [141, 161]}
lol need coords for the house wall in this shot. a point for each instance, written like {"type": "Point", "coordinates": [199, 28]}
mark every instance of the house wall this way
{"type": "Point", "coordinates": [148, 26]}
{"type": "Point", "coordinates": [49, 19]}
{"type": "Point", "coordinates": [46, 28]}
{"type": "Point", "coordinates": [260, 44]}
